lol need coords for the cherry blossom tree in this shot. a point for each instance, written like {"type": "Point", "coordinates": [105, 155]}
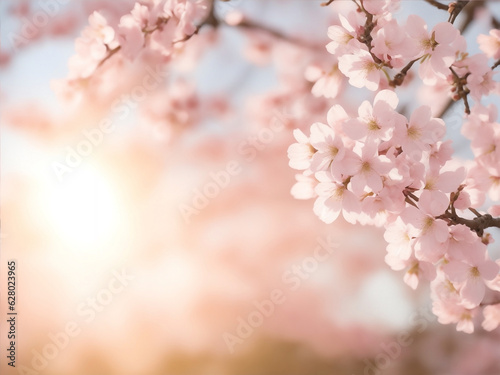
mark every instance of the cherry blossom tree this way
{"type": "Point", "coordinates": [386, 169]}
{"type": "Point", "coordinates": [387, 118]}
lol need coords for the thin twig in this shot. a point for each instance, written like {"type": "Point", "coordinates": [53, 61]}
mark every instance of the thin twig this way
{"type": "Point", "coordinates": [477, 224]}
{"type": "Point", "coordinates": [456, 9]}
{"type": "Point", "coordinates": [400, 77]}
{"type": "Point", "coordinates": [437, 4]}
{"type": "Point", "coordinates": [461, 89]}
{"type": "Point", "coordinates": [496, 64]}
{"type": "Point", "coordinates": [408, 200]}
{"type": "Point", "coordinates": [475, 212]}
{"type": "Point", "coordinates": [110, 53]}
{"type": "Point", "coordinates": [246, 24]}
{"type": "Point", "coordinates": [413, 196]}
{"type": "Point", "coordinates": [211, 20]}
{"type": "Point", "coordinates": [496, 302]}
{"type": "Point", "coordinates": [495, 23]}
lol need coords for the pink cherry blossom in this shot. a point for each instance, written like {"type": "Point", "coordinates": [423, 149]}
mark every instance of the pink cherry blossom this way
{"type": "Point", "coordinates": [342, 35]}
{"type": "Point", "coordinates": [301, 153]}
{"type": "Point", "coordinates": [431, 243]}
{"type": "Point", "coordinates": [470, 274]}
{"type": "Point", "coordinates": [326, 83]}
{"type": "Point", "coordinates": [379, 7]}
{"type": "Point", "coordinates": [495, 210]}
{"type": "Point", "coordinates": [187, 13]}
{"type": "Point", "coordinates": [417, 271]}
{"type": "Point", "coordinates": [480, 80]}
{"type": "Point", "coordinates": [461, 241]}
{"type": "Point", "coordinates": [491, 317]}
{"type": "Point", "coordinates": [448, 312]}
{"type": "Point", "coordinates": [92, 47]}
{"type": "Point", "coordinates": [333, 199]}
{"type": "Point", "coordinates": [304, 188]}
{"type": "Point", "coordinates": [399, 236]}
{"type": "Point", "coordinates": [433, 198]}
{"type": "Point", "coordinates": [419, 133]}
{"type": "Point", "coordinates": [330, 151]}
{"type": "Point", "coordinates": [435, 46]}
{"type": "Point", "coordinates": [392, 44]}
{"type": "Point", "coordinates": [130, 31]}
{"type": "Point", "coordinates": [360, 68]}
{"type": "Point", "coordinates": [490, 44]}
{"type": "Point", "coordinates": [368, 169]}
{"type": "Point", "coordinates": [375, 122]}
{"type": "Point", "coordinates": [379, 209]}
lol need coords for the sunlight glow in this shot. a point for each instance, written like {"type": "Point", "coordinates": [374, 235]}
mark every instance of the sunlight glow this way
{"type": "Point", "coordinates": [83, 210]}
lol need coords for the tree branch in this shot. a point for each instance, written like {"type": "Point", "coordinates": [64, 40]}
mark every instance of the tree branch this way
{"type": "Point", "coordinates": [468, 21]}
{"type": "Point", "coordinates": [496, 64]}
{"type": "Point", "coordinates": [455, 9]}
{"type": "Point", "coordinates": [495, 23]}
{"type": "Point", "coordinates": [494, 302]}
{"type": "Point", "coordinates": [367, 38]}
{"type": "Point", "coordinates": [400, 77]}
{"type": "Point", "coordinates": [211, 20]}
{"type": "Point", "coordinates": [437, 4]}
{"type": "Point", "coordinates": [477, 224]}
{"type": "Point", "coordinates": [460, 89]}
{"type": "Point", "coordinates": [246, 24]}
{"type": "Point", "coordinates": [111, 52]}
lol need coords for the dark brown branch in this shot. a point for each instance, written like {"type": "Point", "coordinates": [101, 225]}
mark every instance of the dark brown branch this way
{"type": "Point", "coordinates": [469, 14]}
{"type": "Point", "coordinates": [367, 38]}
{"type": "Point", "coordinates": [496, 64]}
{"type": "Point", "coordinates": [413, 196]}
{"type": "Point", "coordinates": [110, 54]}
{"type": "Point", "coordinates": [325, 4]}
{"type": "Point", "coordinates": [470, 10]}
{"type": "Point", "coordinates": [494, 302]}
{"type": "Point", "coordinates": [160, 22]}
{"type": "Point", "coordinates": [400, 77]}
{"type": "Point", "coordinates": [211, 20]}
{"type": "Point", "coordinates": [187, 37]}
{"type": "Point", "coordinates": [466, 103]}
{"type": "Point", "coordinates": [246, 24]}
{"type": "Point", "coordinates": [460, 89]}
{"type": "Point", "coordinates": [456, 8]}
{"type": "Point", "coordinates": [495, 23]}
{"type": "Point", "coordinates": [410, 197]}
{"type": "Point", "coordinates": [478, 224]}
{"type": "Point", "coordinates": [437, 4]}
{"type": "Point", "coordinates": [408, 200]}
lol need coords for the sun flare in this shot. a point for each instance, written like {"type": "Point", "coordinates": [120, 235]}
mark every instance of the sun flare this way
{"type": "Point", "coordinates": [83, 209]}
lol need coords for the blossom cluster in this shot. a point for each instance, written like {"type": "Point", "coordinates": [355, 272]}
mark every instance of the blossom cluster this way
{"type": "Point", "coordinates": [162, 25]}
{"type": "Point", "coordinates": [371, 46]}
{"type": "Point", "coordinates": [378, 167]}
{"type": "Point", "coordinates": [483, 130]}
